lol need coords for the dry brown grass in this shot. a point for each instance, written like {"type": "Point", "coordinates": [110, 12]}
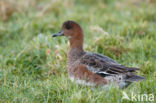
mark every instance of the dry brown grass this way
{"type": "Point", "coordinates": [9, 7]}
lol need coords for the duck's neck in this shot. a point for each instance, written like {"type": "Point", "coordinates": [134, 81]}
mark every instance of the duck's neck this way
{"type": "Point", "coordinates": [76, 48]}
{"type": "Point", "coordinates": [76, 42]}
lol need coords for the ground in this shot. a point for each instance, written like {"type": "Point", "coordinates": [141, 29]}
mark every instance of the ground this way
{"type": "Point", "coordinates": [33, 64]}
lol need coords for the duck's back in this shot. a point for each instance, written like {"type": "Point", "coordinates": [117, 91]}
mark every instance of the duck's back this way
{"type": "Point", "coordinates": [109, 69]}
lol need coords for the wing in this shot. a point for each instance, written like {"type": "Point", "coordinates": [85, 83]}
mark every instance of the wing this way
{"type": "Point", "coordinates": [104, 66]}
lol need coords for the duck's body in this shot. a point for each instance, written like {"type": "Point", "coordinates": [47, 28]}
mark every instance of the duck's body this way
{"type": "Point", "coordinates": [90, 68]}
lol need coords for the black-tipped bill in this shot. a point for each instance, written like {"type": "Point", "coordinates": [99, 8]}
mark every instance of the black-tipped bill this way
{"type": "Point", "coordinates": [60, 33]}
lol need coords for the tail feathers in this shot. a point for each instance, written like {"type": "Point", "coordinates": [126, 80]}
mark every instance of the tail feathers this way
{"type": "Point", "coordinates": [134, 78]}
{"type": "Point", "coordinates": [132, 69]}
{"type": "Point", "coordinates": [124, 69]}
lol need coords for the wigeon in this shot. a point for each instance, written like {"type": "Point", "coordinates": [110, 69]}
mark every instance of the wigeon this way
{"type": "Point", "coordinates": [93, 69]}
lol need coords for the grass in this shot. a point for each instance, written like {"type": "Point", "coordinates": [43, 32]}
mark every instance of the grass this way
{"type": "Point", "coordinates": [33, 65]}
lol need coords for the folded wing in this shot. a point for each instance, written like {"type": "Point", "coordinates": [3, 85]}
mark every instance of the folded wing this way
{"type": "Point", "coordinates": [105, 66]}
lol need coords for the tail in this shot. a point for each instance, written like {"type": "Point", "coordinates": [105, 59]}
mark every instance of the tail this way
{"type": "Point", "coordinates": [131, 78]}
{"type": "Point", "coordinates": [132, 69]}
{"type": "Point", "coordinates": [134, 78]}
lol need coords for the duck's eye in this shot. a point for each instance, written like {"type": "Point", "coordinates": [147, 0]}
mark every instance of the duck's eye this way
{"type": "Point", "coordinates": [68, 26]}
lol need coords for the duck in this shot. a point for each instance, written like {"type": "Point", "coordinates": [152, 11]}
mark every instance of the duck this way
{"type": "Point", "coordinates": [93, 69]}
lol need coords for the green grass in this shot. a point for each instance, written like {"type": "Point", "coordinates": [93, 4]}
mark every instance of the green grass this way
{"type": "Point", "coordinates": [33, 65]}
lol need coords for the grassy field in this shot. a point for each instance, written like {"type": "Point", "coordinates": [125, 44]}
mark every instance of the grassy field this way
{"type": "Point", "coordinates": [33, 64]}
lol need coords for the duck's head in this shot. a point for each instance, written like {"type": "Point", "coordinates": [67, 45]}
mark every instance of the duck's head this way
{"type": "Point", "coordinates": [73, 32]}
{"type": "Point", "coordinates": [70, 29]}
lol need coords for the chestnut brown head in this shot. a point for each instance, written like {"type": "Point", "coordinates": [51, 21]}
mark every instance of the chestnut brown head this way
{"type": "Point", "coordinates": [69, 29]}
